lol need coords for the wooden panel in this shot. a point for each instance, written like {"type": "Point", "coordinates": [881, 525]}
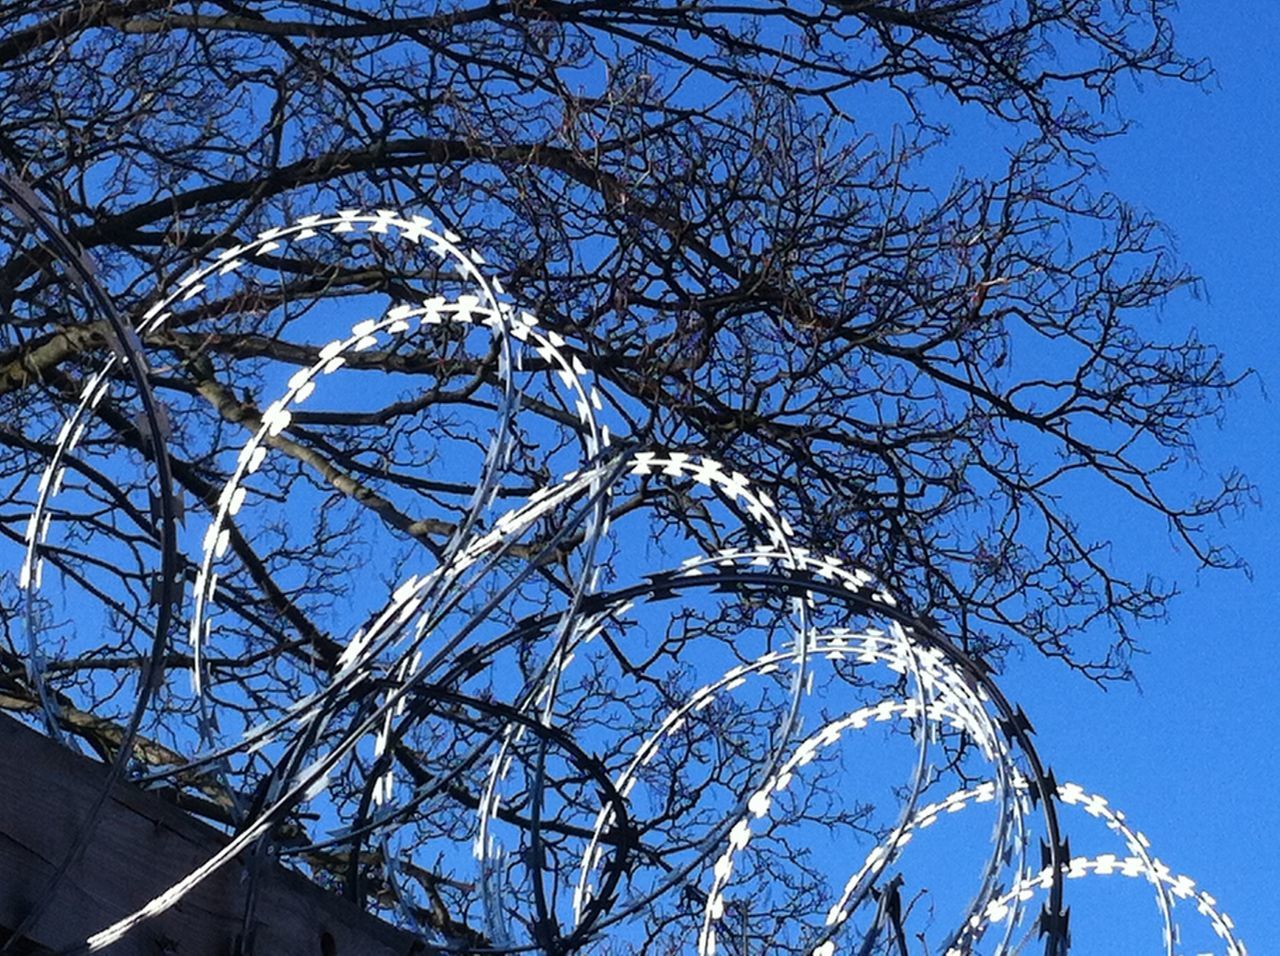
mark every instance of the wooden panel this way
{"type": "Point", "coordinates": [141, 846]}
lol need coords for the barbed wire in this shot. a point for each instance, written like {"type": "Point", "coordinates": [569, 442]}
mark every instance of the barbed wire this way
{"type": "Point", "coordinates": [407, 665]}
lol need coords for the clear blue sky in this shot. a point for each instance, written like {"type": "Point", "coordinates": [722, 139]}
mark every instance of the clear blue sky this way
{"type": "Point", "coordinates": [1194, 758]}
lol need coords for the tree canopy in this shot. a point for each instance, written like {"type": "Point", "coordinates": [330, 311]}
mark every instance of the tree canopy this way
{"type": "Point", "coordinates": [752, 223]}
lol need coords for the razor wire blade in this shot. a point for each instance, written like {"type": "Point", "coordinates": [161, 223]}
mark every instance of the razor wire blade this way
{"type": "Point", "coordinates": [410, 663]}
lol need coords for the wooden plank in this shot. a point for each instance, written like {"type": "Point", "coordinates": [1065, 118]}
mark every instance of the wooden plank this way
{"type": "Point", "coordinates": [141, 846]}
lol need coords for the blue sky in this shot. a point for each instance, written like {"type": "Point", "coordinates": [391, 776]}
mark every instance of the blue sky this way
{"type": "Point", "coordinates": [1191, 753]}
{"type": "Point", "coordinates": [1192, 756]}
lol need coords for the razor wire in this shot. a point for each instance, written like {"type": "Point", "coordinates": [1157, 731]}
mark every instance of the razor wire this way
{"type": "Point", "coordinates": [410, 664]}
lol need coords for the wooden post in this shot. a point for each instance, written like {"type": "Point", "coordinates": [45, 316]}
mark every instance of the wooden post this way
{"type": "Point", "coordinates": [141, 846]}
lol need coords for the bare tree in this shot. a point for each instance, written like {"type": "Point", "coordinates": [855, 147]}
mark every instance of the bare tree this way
{"type": "Point", "coordinates": [732, 213]}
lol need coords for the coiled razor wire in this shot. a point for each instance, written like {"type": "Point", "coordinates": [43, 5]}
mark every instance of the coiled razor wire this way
{"type": "Point", "coordinates": [408, 663]}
